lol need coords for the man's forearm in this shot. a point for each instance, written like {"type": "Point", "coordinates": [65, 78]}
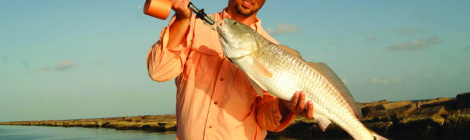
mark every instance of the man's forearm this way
{"type": "Point", "coordinates": [178, 30]}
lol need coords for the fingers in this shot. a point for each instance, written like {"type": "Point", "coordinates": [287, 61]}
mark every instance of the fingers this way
{"type": "Point", "coordinates": [309, 112]}
{"type": "Point", "coordinates": [181, 8]}
{"type": "Point", "coordinates": [297, 105]}
{"type": "Point", "coordinates": [310, 109]}
{"type": "Point", "coordinates": [301, 105]}
{"type": "Point", "coordinates": [294, 101]}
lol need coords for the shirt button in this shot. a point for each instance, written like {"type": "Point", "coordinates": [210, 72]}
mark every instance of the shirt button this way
{"type": "Point", "coordinates": [215, 102]}
{"type": "Point", "coordinates": [221, 79]}
{"type": "Point", "coordinates": [210, 126]}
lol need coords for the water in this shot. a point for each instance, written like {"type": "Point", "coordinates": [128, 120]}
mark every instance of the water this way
{"type": "Point", "coordinates": [8, 132]}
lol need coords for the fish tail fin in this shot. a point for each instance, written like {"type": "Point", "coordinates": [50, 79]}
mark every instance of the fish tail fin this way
{"type": "Point", "coordinates": [377, 136]}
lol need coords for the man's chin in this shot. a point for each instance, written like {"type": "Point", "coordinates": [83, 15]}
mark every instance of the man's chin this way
{"type": "Point", "coordinates": [244, 11]}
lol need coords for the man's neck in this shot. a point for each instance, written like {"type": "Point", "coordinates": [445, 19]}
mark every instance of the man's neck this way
{"type": "Point", "coordinates": [245, 20]}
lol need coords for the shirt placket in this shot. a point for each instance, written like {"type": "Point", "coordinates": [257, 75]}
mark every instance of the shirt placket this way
{"type": "Point", "coordinates": [219, 89]}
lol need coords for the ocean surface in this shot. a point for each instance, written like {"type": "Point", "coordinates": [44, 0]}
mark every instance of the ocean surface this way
{"type": "Point", "coordinates": [9, 132]}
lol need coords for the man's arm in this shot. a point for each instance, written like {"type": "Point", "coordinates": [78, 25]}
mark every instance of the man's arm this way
{"type": "Point", "coordinates": [180, 26]}
{"type": "Point", "coordinates": [167, 57]}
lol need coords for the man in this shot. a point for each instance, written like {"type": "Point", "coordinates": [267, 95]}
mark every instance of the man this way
{"type": "Point", "coordinates": [214, 98]}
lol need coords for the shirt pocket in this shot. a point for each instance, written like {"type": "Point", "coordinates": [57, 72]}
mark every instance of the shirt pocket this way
{"type": "Point", "coordinates": [202, 64]}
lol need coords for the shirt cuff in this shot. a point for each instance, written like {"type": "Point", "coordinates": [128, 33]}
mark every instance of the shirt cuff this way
{"type": "Point", "coordinates": [165, 33]}
{"type": "Point", "coordinates": [278, 116]}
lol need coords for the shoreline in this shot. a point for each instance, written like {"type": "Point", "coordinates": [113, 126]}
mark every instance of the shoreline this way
{"type": "Point", "coordinates": [434, 118]}
{"type": "Point", "coordinates": [159, 123]}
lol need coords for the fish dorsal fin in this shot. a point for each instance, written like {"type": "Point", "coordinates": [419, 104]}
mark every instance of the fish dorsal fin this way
{"type": "Point", "coordinates": [290, 50]}
{"type": "Point", "coordinates": [328, 73]}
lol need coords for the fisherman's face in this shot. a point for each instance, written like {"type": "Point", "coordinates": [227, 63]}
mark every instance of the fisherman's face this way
{"type": "Point", "coordinates": [247, 8]}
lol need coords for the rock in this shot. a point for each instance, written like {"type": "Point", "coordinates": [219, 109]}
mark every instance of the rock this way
{"type": "Point", "coordinates": [463, 126]}
{"type": "Point", "coordinates": [431, 115]}
{"type": "Point", "coordinates": [425, 122]}
{"type": "Point", "coordinates": [369, 109]}
{"type": "Point", "coordinates": [438, 102]}
{"type": "Point", "coordinates": [457, 124]}
{"type": "Point", "coordinates": [463, 100]}
{"type": "Point", "coordinates": [450, 127]}
{"type": "Point", "coordinates": [391, 115]}
{"type": "Point", "coordinates": [383, 105]}
{"type": "Point", "coordinates": [394, 105]}
{"type": "Point", "coordinates": [375, 103]}
{"type": "Point", "coordinates": [382, 128]}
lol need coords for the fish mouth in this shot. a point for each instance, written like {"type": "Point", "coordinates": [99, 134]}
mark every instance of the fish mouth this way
{"type": "Point", "coordinates": [224, 41]}
{"type": "Point", "coordinates": [222, 35]}
{"type": "Point", "coordinates": [220, 30]}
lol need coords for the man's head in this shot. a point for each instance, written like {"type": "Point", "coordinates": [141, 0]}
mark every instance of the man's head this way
{"type": "Point", "coordinates": [246, 8]}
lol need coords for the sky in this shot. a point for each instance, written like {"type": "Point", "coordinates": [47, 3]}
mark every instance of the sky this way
{"type": "Point", "coordinates": [87, 59]}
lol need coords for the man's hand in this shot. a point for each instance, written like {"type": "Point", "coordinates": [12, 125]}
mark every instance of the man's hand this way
{"type": "Point", "coordinates": [181, 9]}
{"type": "Point", "coordinates": [297, 105]}
{"type": "Point", "coordinates": [180, 26]}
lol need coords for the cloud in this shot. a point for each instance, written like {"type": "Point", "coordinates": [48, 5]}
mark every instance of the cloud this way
{"type": "Point", "coordinates": [62, 66]}
{"type": "Point", "coordinates": [333, 43]}
{"type": "Point", "coordinates": [407, 31]}
{"type": "Point", "coordinates": [282, 28]}
{"type": "Point", "coordinates": [466, 47]}
{"type": "Point", "coordinates": [369, 39]}
{"type": "Point", "coordinates": [416, 44]}
{"type": "Point", "coordinates": [423, 17]}
{"type": "Point", "coordinates": [385, 81]}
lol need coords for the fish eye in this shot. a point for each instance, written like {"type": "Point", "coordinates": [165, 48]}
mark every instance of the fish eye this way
{"type": "Point", "coordinates": [235, 23]}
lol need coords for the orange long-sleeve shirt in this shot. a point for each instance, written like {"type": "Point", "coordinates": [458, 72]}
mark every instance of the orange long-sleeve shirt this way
{"type": "Point", "coordinates": [214, 98]}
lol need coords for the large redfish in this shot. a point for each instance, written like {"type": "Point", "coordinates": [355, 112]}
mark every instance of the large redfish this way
{"type": "Point", "coordinates": [281, 71]}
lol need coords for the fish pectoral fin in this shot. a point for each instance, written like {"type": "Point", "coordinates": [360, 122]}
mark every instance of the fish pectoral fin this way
{"type": "Point", "coordinates": [322, 122]}
{"type": "Point", "coordinates": [260, 69]}
{"type": "Point", "coordinates": [258, 88]}
{"type": "Point", "coordinates": [245, 63]}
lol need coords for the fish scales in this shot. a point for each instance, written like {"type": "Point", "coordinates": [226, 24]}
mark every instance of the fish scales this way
{"type": "Point", "coordinates": [288, 67]}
